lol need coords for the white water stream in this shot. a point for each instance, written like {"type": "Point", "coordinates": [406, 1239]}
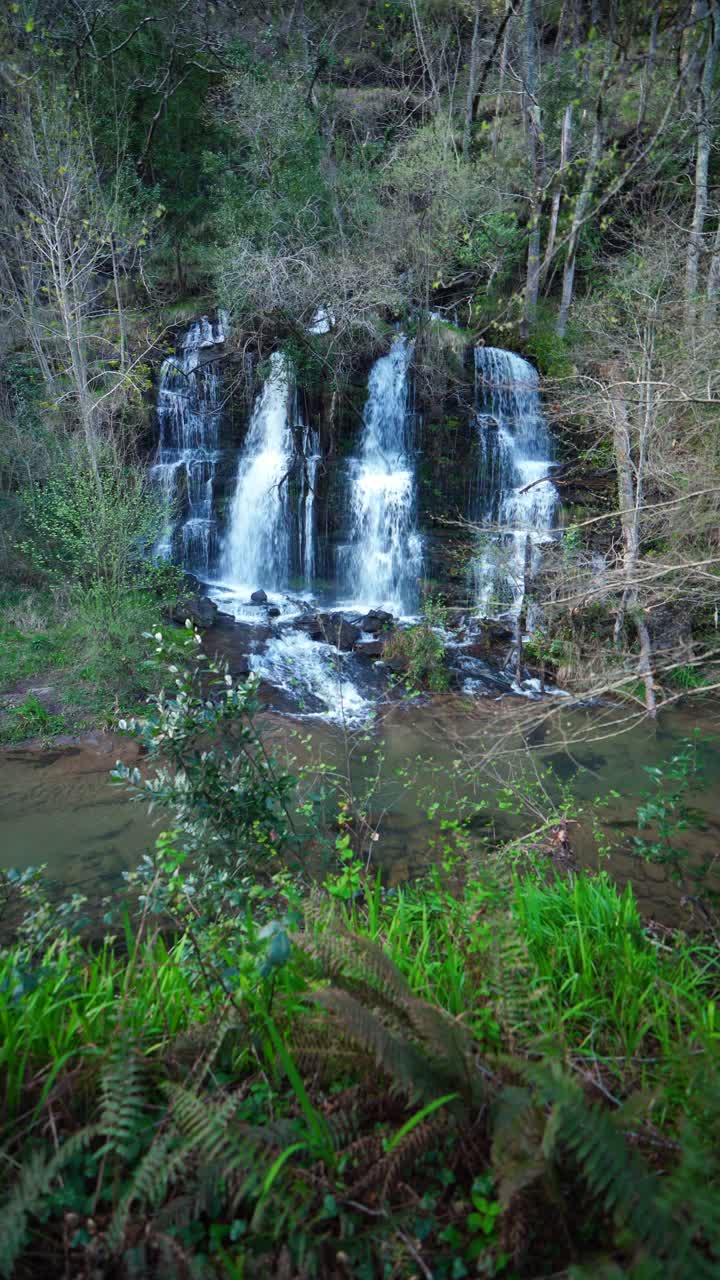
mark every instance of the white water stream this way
{"type": "Point", "coordinates": [383, 560]}
{"type": "Point", "coordinates": [188, 410]}
{"type": "Point", "coordinates": [517, 503]}
{"type": "Point", "coordinates": [271, 538]}
{"type": "Point", "coordinates": [257, 546]}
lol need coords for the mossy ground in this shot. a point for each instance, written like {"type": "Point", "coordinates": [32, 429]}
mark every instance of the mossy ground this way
{"type": "Point", "coordinates": [71, 664]}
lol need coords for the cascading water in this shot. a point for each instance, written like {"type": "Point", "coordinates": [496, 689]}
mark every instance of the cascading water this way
{"type": "Point", "coordinates": [311, 460]}
{"type": "Point", "coordinates": [257, 546]}
{"type": "Point", "coordinates": [384, 557]}
{"type": "Point", "coordinates": [188, 410]}
{"type": "Point", "coordinates": [515, 455]}
{"type": "Point", "coordinates": [316, 675]}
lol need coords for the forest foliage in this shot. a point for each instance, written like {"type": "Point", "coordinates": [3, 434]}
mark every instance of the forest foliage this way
{"type": "Point", "coordinates": [542, 172]}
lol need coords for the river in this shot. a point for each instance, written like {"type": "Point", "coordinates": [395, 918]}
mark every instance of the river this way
{"type": "Point", "coordinates": [59, 808]}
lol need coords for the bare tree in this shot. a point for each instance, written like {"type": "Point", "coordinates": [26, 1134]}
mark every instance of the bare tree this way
{"type": "Point", "coordinates": [66, 235]}
{"type": "Point", "coordinates": [580, 209]}
{"type": "Point", "coordinates": [707, 15]}
{"type": "Point", "coordinates": [536, 156]}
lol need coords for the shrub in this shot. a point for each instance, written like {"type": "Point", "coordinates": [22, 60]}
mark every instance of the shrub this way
{"type": "Point", "coordinates": [419, 651]}
{"type": "Point", "coordinates": [31, 719]}
{"type": "Point", "coordinates": [92, 526]}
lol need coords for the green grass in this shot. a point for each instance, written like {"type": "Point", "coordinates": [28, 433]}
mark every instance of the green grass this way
{"type": "Point", "coordinates": [66, 1011]}
{"type": "Point", "coordinates": [526, 969]}
{"type": "Point", "coordinates": [30, 719]}
{"type": "Point", "coordinates": [603, 989]}
{"type": "Point", "coordinates": [621, 998]}
{"type": "Point", "coordinates": [93, 660]}
{"type": "Point", "coordinates": [612, 995]}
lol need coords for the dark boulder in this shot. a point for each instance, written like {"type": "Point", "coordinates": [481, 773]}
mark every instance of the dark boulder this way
{"type": "Point", "coordinates": [376, 620]}
{"type": "Point", "coordinates": [308, 622]}
{"type": "Point", "coordinates": [397, 664]}
{"type": "Point", "coordinates": [258, 597]}
{"type": "Point", "coordinates": [493, 636]}
{"type": "Point", "coordinates": [200, 610]}
{"type": "Point", "coordinates": [476, 647]}
{"type": "Point", "coordinates": [232, 642]}
{"type": "Point", "coordinates": [456, 617]}
{"type": "Point", "coordinates": [498, 631]}
{"type": "Point", "coordinates": [369, 648]}
{"type": "Point", "coordinates": [338, 631]}
{"type": "Point", "coordinates": [273, 611]}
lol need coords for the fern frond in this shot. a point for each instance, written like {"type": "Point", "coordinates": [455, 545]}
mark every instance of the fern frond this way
{"type": "Point", "coordinates": [174, 1262]}
{"type": "Point", "coordinates": [518, 1153]}
{"type": "Point", "coordinates": [347, 956]}
{"type": "Point", "coordinates": [316, 1048]}
{"type": "Point", "coordinates": [520, 1002]}
{"type": "Point", "coordinates": [226, 1149]}
{"type": "Point", "coordinates": [626, 1186]}
{"type": "Point", "coordinates": [149, 1184]}
{"type": "Point", "coordinates": [398, 1057]}
{"type": "Point", "coordinates": [693, 1188]}
{"type": "Point", "coordinates": [415, 1144]}
{"type": "Point", "coordinates": [122, 1118]}
{"type": "Point", "coordinates": [452, 1048]}
{"type": "Point", "coordinates": [343, 1127]}
{"type": "Point", "coordinates": [35, 1180]}
{"type": "Point", "coordinates": [363, 1153]}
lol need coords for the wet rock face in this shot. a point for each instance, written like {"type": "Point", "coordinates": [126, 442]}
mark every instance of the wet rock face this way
{"type": "Point", "coordinates": [258, 597]}
{"type": "Point", "coordinates": [487, 638]}
{"type": "Point", "coordinates": [201, 611]}
{"type": "Point", "coordinates": [232, 642]}
{"type": "Point", "coordinates": [370, 648]}
{"type": "Point", "coordinates": [336, 630]}
{"type": "Point", "coordinates": [310, 624]}
{"type": "Point", "coordinates": [376, 620]}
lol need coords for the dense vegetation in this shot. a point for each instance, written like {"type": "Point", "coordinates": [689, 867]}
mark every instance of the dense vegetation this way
{"type": "Point", "coordinates": [544, 174]}
{"type": "Point", "coordinates": [261, 1061]}
{"type": "Point", "coordinates": [498, 1071]}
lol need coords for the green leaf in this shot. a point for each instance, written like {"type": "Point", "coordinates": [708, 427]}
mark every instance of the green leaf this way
{"type": "Point", "coordinates": [417, 1119]}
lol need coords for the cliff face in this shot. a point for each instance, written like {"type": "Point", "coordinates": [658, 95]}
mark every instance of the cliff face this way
{"type": "Point", "coordinates": [326, 425]}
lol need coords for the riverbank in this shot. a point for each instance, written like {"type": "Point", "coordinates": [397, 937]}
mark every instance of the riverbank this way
{"type": "Point", "coordinates": [70, 664]}
{"type": "Point", "coordinates": [347, 1068]}
{"type": "Point", "coordinates": [275, 1057]}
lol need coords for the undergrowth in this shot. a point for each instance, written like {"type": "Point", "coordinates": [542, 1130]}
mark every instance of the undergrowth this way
{"type": "Point", "coordinates": [250, 1074]}
{"type": "Point", "coordinates": [427, 1072]}
{"type": "Point", "coordinates": [88, 660]}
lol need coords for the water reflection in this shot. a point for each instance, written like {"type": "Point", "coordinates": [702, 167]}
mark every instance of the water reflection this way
{"type": "Point", "coordinates": [58, 806]}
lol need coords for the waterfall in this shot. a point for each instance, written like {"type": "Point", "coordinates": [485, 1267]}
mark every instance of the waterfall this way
{"type": "Point", "coordinates": [515, 453]}
{"type": "Point", "coordinates": [257, 546]}
{"type": "Point", "coordinates": [306, 524]}
{"type": "Point", "coordinates": [188, 410]}
{"type": "Point", "coordinates": [383, 559]}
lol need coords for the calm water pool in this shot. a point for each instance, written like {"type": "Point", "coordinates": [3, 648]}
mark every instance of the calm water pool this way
{"type": "Point", "coordinates": [58, 807]}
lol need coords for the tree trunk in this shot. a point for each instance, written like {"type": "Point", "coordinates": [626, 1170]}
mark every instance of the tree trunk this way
{"type": "Point", "coordinates": [71, 317]}
{"type": "Point", "coordinates": [118, 303]}
{"type": "Point", "coordinates": [702, 157]}
{"type": "Point", "coordinates": [565, 142]}
{"type": "Point", "coordinates": [472, 82]}
{"type": "Point", "coordinates": [579, 212]}
{"type": "Point", "coordinates": [498, 99]}
{"type": "Point", "coordinates": [533, 129]}
{"type": "Point", "coordinates": [649, 67]}
{"type": "Point", "coordinates": [713, 282]}
{"type": "Point", "coordinates": [630, 485]}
